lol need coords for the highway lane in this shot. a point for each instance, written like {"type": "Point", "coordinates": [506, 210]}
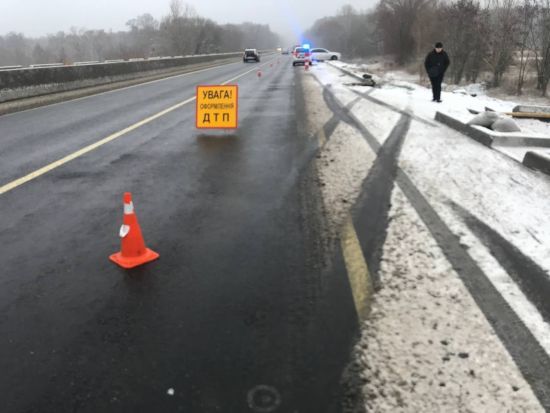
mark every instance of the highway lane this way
{"type": "Point", "coordinates": [237, 315]}
{"type": "Point", "coordinates": [64, 128]}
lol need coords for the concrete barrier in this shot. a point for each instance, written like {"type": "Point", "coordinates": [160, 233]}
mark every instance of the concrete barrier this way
{"type": "Point", "coordinates": [538, 160]}
{"type": "Point", "coordinates": [86, 63]}
{"type": "Point", "coordinates": [31, 82]}
{"type": "Point", "coordinates": [10, 67]}
{"type": "Point", "coordinates": [366, 78]}
{"type": "Point", "coordinates": [464, 128]}
{"type": "Point", "coordinates": [42, 65]}
{"type": "Point", "coordinates": [532, 109]}
{"type": "Point", "coordinates": [491, 138]}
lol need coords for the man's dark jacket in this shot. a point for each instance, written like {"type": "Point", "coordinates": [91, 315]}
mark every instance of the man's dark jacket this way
{"type": "Point", "coordinates": [436, 63]}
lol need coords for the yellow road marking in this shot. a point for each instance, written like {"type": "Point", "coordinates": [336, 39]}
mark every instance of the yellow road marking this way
{"type": "Point", "coordinates": [45, 169]}
{"type": "Point", "coordinates": [359, 278]}
{"type": "Point", "coordinates": [358, 271]}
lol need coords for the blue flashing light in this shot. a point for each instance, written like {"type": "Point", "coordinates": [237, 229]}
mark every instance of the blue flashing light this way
{"type": "Point", "coordinates": [306, 46]}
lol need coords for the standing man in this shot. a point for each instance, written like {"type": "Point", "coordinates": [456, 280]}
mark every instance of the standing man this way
{"type": "Point", "coordinates": [436, 64]}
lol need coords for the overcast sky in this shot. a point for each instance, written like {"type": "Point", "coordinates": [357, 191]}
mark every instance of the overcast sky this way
{"type": "Point", "coordinates": [39, 17]}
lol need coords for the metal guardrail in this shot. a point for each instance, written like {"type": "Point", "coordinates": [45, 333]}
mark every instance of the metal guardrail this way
{"type": "Point", "coordinates": [39, 66]}
{"type": "Point", "coordinates": [10, 67]}
{"type": "Point", "coordinates": [86, 63]}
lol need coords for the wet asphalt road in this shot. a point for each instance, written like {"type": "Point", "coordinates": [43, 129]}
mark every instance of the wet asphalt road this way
{"type": "Point", "coordinates": [237, 301]}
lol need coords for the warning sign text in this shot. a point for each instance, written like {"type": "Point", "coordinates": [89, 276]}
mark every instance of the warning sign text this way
{"type": "Point", "coordinates": [217, 107]}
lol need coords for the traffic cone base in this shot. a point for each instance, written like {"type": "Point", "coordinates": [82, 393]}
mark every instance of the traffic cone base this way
{"type": "Point", "coordinates": [131, 262]}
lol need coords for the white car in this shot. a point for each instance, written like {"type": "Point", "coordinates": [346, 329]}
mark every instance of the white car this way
{"type": "Point", "coordinates": [324, 54]}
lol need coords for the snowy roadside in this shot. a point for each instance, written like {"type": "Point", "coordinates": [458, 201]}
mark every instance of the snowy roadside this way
{"type": "Point", "coordinates": [456, 99]}
{"type": "Point", "coordinates": [427, 346]}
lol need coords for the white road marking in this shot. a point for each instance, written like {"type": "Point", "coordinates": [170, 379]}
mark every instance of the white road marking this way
{"type": "Point", "coordinates": [45, 169]}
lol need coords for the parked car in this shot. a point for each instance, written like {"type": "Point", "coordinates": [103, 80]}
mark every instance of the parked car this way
{"type": "Point", "coordinates": [301, 55]}
{"type": "Point", "coordinates": [324, 54]}
{"type": "Point", "coordinates": [251, 54]}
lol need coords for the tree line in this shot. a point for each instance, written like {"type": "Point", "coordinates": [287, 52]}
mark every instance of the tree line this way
{"type": "Point", "coordinates": [497, 36]}
{"type": "Point", "coordinates": [180, 32]}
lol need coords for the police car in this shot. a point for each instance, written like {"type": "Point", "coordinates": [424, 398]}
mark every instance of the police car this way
{"type": "Point", "coordinates": [301, 55]}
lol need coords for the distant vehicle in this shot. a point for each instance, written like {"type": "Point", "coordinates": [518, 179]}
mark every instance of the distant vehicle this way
{"type": "Point", "coordinates": [251, 54]}
{"type": "Point", "coordinates": [324, 54]}
{"type": "Point", "coordinates": [285, 51]}
{"type": "Point", "coordinates": [301, 55]}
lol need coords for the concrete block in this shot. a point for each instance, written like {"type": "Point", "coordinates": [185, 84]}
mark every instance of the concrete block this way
{"type": "Point", "coordinates": [463, 127]}
{"type": "Point", "coordinates": [491, 138]}
{"type": "Point", "coordinates": [538, 160]}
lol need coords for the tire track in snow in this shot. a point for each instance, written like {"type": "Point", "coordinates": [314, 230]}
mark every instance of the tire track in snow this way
{"type": "Point", "coordinates": [526, 351]}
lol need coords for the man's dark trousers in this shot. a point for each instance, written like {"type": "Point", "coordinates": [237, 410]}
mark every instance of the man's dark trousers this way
{"type": "Point", "coordinates": [436, 86]}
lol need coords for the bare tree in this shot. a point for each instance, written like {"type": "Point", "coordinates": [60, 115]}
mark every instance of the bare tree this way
{"type": "Point", "coordinates": [527, 12]}
{"type": "Point", "coordinates": [396, 20]}
{"type": "Point", "coordinates": [231, 38]}
{"type": "Point", "coordinates": [540, 44]}
{"type": "Point", "coordinates": [177, 29]}
{"type": "Point", "coordinates": [479, 47]}
{"type": "Point", "coordinates": [350, 32]}
{"type": "Point", "coordinates": [143, 35]}
{"type": "Point", "coordinates": [504, 27]}
{"type": "Point", "coordinates": [461, 20]}
{"type": "Point", "coordinates": [182, 31]}
{"type": "Point", "coordinates": [16, 49]}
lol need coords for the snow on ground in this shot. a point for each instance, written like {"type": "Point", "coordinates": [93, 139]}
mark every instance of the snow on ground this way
{"type": "Point", "coordinates": [456, 100]}
{"type": "Point", "coordinates": [427, 346]}
{"type": "Point", "coordinates": [339, 185]}
{"type": "Point", "coordinates": [508, 197]}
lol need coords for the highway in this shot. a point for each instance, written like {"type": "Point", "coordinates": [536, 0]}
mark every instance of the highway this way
{"type": "Point", "coordinates": [239, 312]}
{"type": "Point", "coordinates": [340, 251]}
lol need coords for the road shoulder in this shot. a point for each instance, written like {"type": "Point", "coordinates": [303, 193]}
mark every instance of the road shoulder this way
{"type": "Point", "coordinates": [427, 346]}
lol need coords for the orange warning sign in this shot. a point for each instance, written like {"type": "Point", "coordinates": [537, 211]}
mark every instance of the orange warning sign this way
{"type": "Point", "coordinates": [217, 107]}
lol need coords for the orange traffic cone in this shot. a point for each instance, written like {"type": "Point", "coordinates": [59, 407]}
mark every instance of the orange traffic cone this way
{"type": "Point", "coordinates": [133, 251]}
{"type": "Point", "coordinates": [306, 65]}
{"type": "Point", "coordinates": [259, 73]}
